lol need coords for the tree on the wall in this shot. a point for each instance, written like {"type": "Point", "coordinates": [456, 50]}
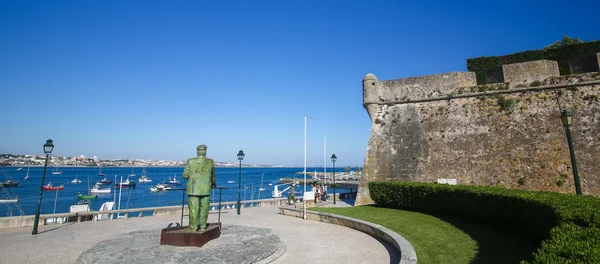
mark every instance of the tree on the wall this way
{"type": "Point", "coordinates": [566, 40]}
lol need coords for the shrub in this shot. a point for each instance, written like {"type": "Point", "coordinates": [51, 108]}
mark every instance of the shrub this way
{"type": "Point", "coordinates": [505, 103]}
{"type": "Point", "coordinates": [562, 54]}
{"type": "Point", "coordinates": [568, 226]}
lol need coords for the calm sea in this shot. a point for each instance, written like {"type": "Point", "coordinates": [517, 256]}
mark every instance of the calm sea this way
{"type": "Point", "coordinates": [141, 196]}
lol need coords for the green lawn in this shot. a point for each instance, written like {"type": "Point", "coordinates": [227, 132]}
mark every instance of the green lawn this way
{"type": "Point", "coordinates": [444, 240]}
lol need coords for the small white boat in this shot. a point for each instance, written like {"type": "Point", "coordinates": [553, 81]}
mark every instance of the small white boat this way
{"type": "Point", "coordinates": [19, 169]}
{"type": "Point", "coordinates": [174, 180]}
{"type": "Point", "coordinates": [76, 180]}
{"type": "Point", "coordinates": [261, 189]}
{"type": "Point", "coordinates": [230, 181]}
{"type": "Point", "coordinates": [270, 184]}
{"type": "Point", "coordinates": [161, 187]}
{"type": "Point", "coordinates": [5, 201]}
{"type": "Point", "coordinates": [56, 172]}
{"type": "Point", "coordinates": [27, 175]}
{"type": "Point", "coordinates": [144, 179]}
{"type": "Point", "coordinates": [97, 189]}
{"type": "Point", "coordinates": [132, 174]}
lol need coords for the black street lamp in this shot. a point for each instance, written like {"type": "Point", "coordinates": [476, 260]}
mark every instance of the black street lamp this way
{"type": "Point", "coordinates": [566, 117]}
{"type": "Point", "coordinates": [240, 157]}
{"type": "Point", "coordinates": [333, 159]}
{"type": "Point", "coordinates": [48, 147]}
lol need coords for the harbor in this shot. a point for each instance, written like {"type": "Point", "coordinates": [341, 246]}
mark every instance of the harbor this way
{"type": "Point", "coordinates": [62, 191]}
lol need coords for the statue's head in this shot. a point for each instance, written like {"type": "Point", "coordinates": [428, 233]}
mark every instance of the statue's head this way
{"type": "Point", "coordinates": [201, 150]}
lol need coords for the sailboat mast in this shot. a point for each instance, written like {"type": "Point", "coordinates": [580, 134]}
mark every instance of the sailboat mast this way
{"type": "Point", "coordinates": [120, 189]}
{"type": "Point", "coordinates": [325, 160]}
{"type": "Point", "coordinates": [115, 187]}
{"type": "Point", "coordinates": [304, 194]}
{"type": "Point", "coordinates": [55, 199]}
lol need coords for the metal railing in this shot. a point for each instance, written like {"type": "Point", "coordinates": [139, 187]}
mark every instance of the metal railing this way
{"type": "Point", "coordinates": [27, 220]}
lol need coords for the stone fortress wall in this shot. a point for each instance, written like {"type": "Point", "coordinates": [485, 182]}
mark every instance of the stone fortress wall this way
{"type": "Point", "coordinates": [506, 133]}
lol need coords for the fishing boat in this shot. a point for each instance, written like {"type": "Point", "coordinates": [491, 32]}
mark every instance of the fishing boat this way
{"type": "Point", "coordinates": [160, 187]}
{"type": "Point", "coordinates": [49, 187]}
{"type": "Point", "coordinates": [97, 189]}
{"type": "Point", "coordinates": [105, 181]}
{"type": "Point", "coordinates": [10, 183]}
{"type": "Point", "coordinates": [86, 197]}
{"type": "Point", "coordinates": [27, 175]}
{"type": "Point", "coordinates": [76, 180]}
{"type": "Point", "coordinates": [56, 171]}
{"type": "Point", "coordinates": [174, 180]}
{"type": "Point", "coordinates": [144, 179]}
{"type": "Point", "coordinates": [125, 184]}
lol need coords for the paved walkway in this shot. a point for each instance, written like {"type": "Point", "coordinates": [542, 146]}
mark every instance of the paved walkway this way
{"type": "Point", "coordinates": [305, 241]}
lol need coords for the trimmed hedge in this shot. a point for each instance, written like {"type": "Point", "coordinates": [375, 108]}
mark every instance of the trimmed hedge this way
{"type": "Point", "coordinates": [560, 54]}
{"type": "Point", "coordinates": [568, 226]}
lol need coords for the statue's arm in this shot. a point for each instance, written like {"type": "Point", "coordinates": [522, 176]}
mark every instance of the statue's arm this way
{"type": "Point", "coordinates": [213, 176]}
{"type": "Point", "coordinates": [186, 170]}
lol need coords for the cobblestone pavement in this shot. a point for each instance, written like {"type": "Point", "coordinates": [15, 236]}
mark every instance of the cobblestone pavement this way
{"type": "Point", "coordinates": [303, 241]}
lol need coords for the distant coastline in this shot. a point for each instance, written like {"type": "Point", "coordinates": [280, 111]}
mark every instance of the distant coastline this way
{"type": "Point", "coordinates": [155, 166]}
{"type": "Point", "coordinates": [25, 160]}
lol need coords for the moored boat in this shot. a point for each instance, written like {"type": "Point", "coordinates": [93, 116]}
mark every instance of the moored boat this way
{"type": "Point", "coordinates": [160, 187]}
{"type": "Point", "coordinates": [49, 187]}
{"type": "Point", "coordinates": [76, 180]}
{"type": "Point", "coordinates": [174, 180]}
{"type": "Point", "coordinates": [105, 181]}
{"type": "Point", "coordinates": [10, 183]}
{"type": "Point", "coordinates": [86, 197]}
{"type": "Point", "coordinates": [56, 171]}
{"type": "Point", "coordinates": [97, 189]}
{"type": "Point", "coordinates": [144, 179]}
{"type": "Point", "coordinates": [125, 184]}
{"type": "Point", "coordinates": [5, 201]}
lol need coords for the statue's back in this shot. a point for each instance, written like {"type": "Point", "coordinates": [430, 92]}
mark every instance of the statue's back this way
{"type": "Point", "coordinates": [200, 174]}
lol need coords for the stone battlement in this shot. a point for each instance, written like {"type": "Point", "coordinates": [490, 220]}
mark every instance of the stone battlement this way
{"type": "Point", "coordinates": [507, 133]}
{"type": "Point", "coordinates": [517, 75]}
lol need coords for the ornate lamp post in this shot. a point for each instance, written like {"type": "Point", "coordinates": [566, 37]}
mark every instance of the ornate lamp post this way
{"type": "Point", "coordinates": [240, 157]}
{"type": "Point", "coordinates": [566, 117]}
{"type": "Point", "coordinates": [48, 147]}
{"type": "Point", "coordinates": [333, 159]}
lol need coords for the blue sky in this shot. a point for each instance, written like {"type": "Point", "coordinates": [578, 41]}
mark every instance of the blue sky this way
{"type": "Point", "coordinates": [146, 79]}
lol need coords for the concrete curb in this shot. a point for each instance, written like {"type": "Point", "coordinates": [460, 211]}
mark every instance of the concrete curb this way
{"type": "Point", "coordinates": [406, 250]}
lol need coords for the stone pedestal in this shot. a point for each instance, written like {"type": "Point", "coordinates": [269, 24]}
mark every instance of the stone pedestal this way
{"type": "Point", "coordinates": [179, 236]}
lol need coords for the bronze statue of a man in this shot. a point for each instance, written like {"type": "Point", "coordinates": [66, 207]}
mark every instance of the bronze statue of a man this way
{"type": "Point", "coordinates": [200, 172]}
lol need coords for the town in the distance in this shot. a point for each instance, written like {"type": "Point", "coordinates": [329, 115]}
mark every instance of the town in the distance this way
{"type": "Point", "coordinates": [36, 160]}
